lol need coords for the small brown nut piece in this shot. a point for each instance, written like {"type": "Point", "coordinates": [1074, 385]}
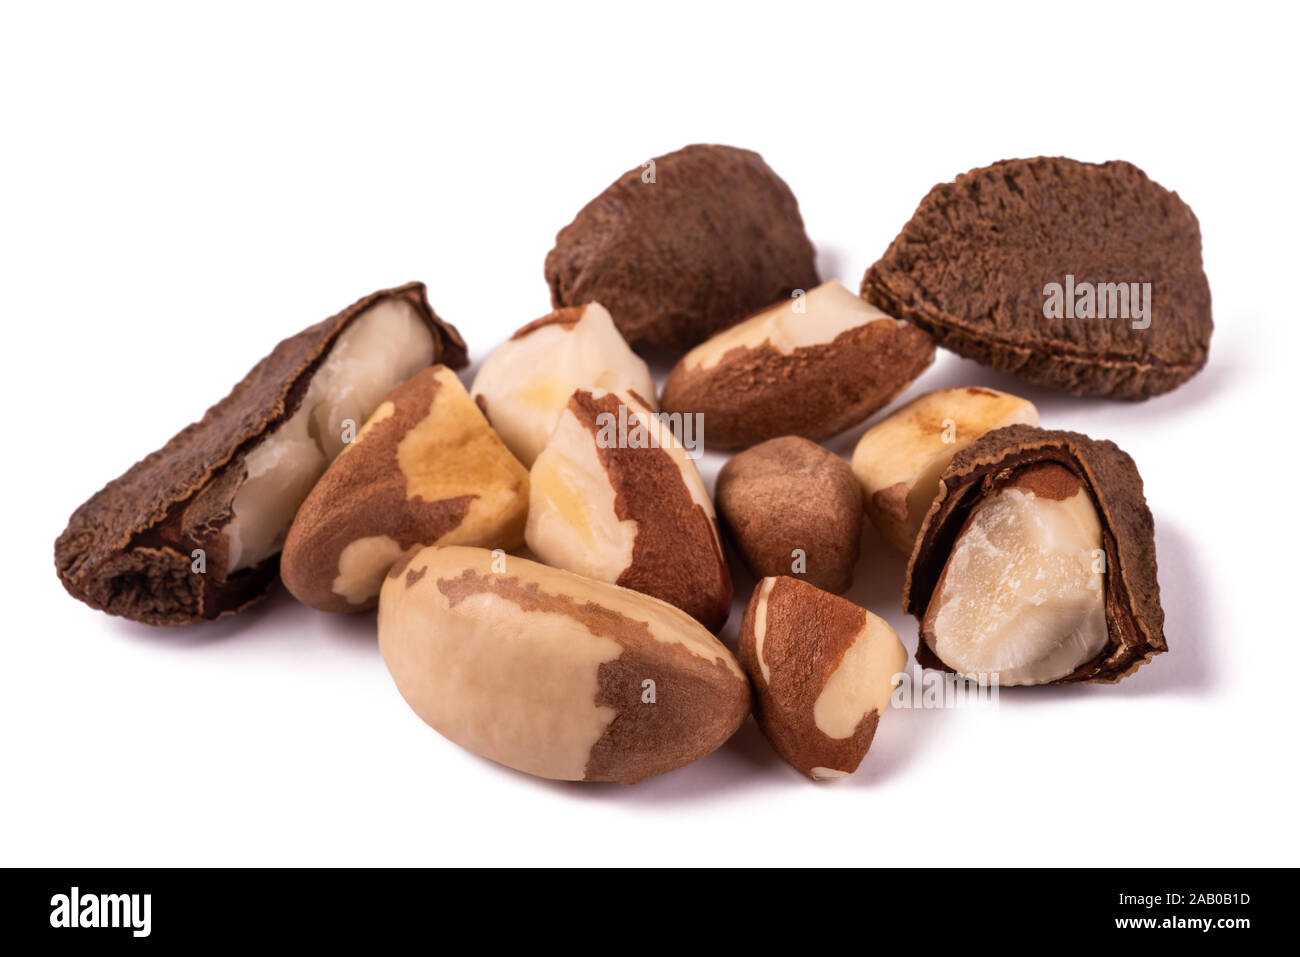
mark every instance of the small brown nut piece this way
{"type": "Point", "coordinates": [823, 671]}
{"type": "Point", "coordinates": [425, 469]}
{"type": "Point", "coordinates": [615, 497]}
{"type": "Point", "coordinates": [793, 508]}
{"type": "Point", "coordinates": [1036, 564]}
{"type": "Point", "coordinates": [899, 460]}
{"type": "Point", "coordinates": [552, 673]}
{"type": "Point", "coordinates": [812, 366]}
{"type": "Point", "coordinates": [684, 245]}
{"type": "Point", "coordinates": [526, 381]}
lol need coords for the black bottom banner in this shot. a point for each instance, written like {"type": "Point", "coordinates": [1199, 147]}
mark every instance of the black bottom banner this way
{"type": "Point", "coordinates": [651, 907]}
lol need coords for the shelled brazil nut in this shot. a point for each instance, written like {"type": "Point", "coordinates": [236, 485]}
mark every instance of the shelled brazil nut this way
{"type": "Point", "coordinates": [811, 365]}
{"type": "Point", "coordinates": [554, 674]}
{"type": "Point", "coordinates": [425, 469]}
{"type": "Point", "coordinates": [900, 458]}
{"type": "Point", "coordinates": [615, 497]}
{"type": "Point", "coordinates": [524, 383]}
{"type": "Point", "coordinates": [823, 671]}
{"type": "Point", "coordinates": [793, 508]}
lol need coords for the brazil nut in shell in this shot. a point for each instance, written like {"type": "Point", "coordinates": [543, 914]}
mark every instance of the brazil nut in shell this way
{"type": "Point", "coordinates": [193, 531]}
{"type": "Point", "coordinates": [684, 245]}
{"type": "Point", "coordinates": [554, 674]}
{"type": "Point", "coordinates": [1084, 277]}
{"type": "Point", "coordinates": [1037, 563]}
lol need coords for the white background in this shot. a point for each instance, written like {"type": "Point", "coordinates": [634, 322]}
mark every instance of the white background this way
{"type": "Point", "coordinates": [183, 189]}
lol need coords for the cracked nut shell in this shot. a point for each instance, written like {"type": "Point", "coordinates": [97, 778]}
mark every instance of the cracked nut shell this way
{"type": "Point", "coordinates": [973, 264]}
{"type": "Point", "coordinates": [129, 549]}
{"type": "Point", "coordinates": [710, 237]}
{"type": "Point", "coordinates": [1134, 617]}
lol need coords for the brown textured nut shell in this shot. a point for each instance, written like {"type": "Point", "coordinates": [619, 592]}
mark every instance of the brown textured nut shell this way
{"type": "Point", "coordinates": [364, 493]}
{"type": "Point", "coordinates": [971, 264]}
{"type": "Point", "coordinates": [790, 493]}
{"type": "Point", "coordinates": [753, 394]}
{"type": "Point", "coordinates": [127, 549]}
{"type": "Point", "coordinates": [1134, 616]}
{"type": "Point", "coordinates": [808, 633]}
{"type": "Point", "coordinates": [677, 554]}
{"type": "Point", "coordinates": [717, 236]}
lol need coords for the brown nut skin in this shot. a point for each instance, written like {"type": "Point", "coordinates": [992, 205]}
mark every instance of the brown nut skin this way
{"type": "Point", "coordinates": [128, 550]}
{"type": "Point", "coordinates": [714, 237]}
{"type": "Point", "coordinates": [786, 494]}
{"type": "Point", "coordinates": [554, 674]}
{"type": "Point", "coordinates": [757, 392]}
{"type": "Point", "coordinates": [1134, 616]}
{"type": "Point", "coordinates": [971, 266]}
{"type": "Point", "coordinates": [425, 469]}
{"type": "Point", "coordinates": [822, 670]}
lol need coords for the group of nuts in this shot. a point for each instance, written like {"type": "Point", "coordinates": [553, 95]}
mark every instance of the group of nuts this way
{"type": "Point", "coordinates": [352, 464]}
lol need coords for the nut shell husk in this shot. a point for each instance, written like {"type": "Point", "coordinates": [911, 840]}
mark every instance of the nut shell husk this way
{"type": "Point", "coordinates": [1134, 617]}
{"type": "Point", "coordinates": [716, 237]}
{"type": "Point", "coordinates": [127, 549]}
{"type": "Point", "coordinates": [971, 265]}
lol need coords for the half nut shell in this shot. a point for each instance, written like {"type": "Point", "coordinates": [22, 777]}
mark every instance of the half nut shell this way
{"type": "Point", "coordinates": [1030, 457]}
{"type": "Point", "coordinates": [974, 266]}
{"type": "Point", "coordinates": [193, 530]}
